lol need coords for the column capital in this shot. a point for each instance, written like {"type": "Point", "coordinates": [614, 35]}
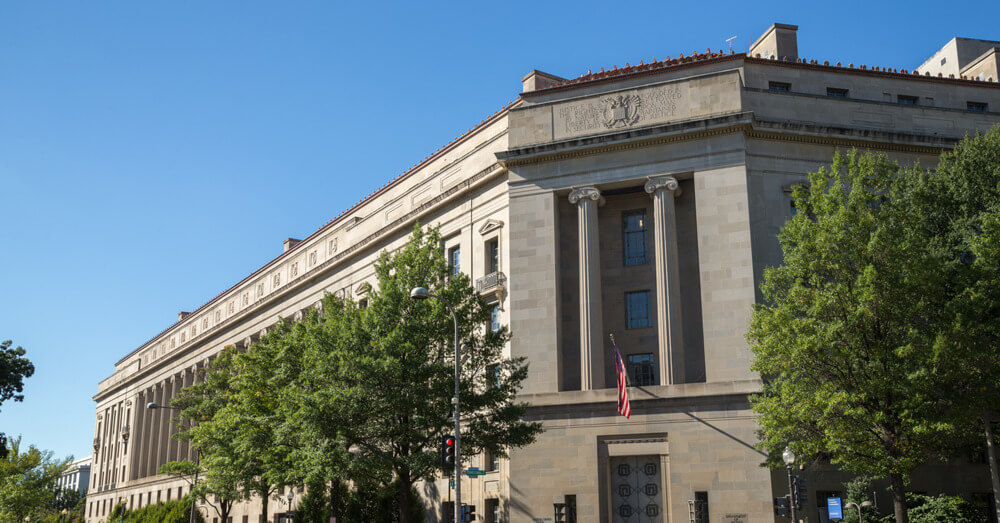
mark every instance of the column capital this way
{"type": "Point", "coordinates": [588, 192]}
{"type": "Point", "coordinates": [657, 183]}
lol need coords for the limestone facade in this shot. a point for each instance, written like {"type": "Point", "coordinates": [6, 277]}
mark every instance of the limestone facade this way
{"type": "Point", "coordinates": [642, 202]}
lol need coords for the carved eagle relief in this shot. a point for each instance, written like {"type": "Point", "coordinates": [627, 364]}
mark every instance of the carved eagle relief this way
{"type": "Point", "coordinates": [621, 111]}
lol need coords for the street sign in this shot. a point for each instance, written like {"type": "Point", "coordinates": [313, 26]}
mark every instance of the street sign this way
{"type": "Point", "coordinates": [474, 472]}
{"type": "Point", "coordinates": [833, 508]}
{"type": "Point", "coordinates": [451, 483]}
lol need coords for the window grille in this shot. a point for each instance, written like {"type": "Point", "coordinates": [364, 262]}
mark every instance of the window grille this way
{"type": "Point", "coordinates": [634, 237]}
{"type": "Point", "coordinates": [640, 369]}
{"type": "Point", "coordinates": [637, 310]}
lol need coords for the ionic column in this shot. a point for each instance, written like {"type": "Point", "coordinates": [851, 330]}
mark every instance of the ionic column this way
{"type": "Point", "coordinates": [154, 431]}
{"type": "Point", "coordinates": [663, 190]}
{"type": "Point", "coordinates": [142, 444]}
{"type": "Point", "coordinates": [587, 199]}
{"type": "Point", "coordinates": [164, 438]}
{"type": "Point", "coordinates": [174, 445]}
{"type": "Point", "coordinates": [185, 451]}
{"type": "Point", "coordinates": [135, 436]}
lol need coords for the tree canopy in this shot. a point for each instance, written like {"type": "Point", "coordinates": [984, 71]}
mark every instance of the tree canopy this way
{"type": "Point", "coordinates": [361, 391]}
{"type": "Point", "coordinates": [875, 337]}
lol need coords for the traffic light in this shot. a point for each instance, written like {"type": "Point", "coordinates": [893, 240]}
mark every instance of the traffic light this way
{"type": "Point", "coordinates": [468, 513]}
{"type": "Point", "coordinates": [448, 452]}
{"type": "Point", "coordinates": [801, 492]}
{"type": "Point", "coordinates": [781, 507]}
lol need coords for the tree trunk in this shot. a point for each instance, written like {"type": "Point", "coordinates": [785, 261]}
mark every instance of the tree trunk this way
{"type": "Point", "coordinates": [404, 496]}
{"type": "Point", "coordinates": [898, 497]}
{"type": "Point", "coordinates": [991, 455]}
{"type": "Point", "coordinates": [226, 506]}
{"type": "Point", "coordinates": [264, 494]}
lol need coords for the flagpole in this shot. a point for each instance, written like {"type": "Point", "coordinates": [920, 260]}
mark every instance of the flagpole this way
{"type": "Point", "coordinates": [615, 345]}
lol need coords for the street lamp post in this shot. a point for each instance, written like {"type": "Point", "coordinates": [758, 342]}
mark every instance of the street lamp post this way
{"type": "Point", "coordinates": [63, 513]}
{"type": "Point", "coordinates": [290, 496]}
{"type": "Point", "coordinates": [864, 504]}
{"type": "Point", "coordinates": [421, 293]}
{"type": "Point", "coordinates": [197, 463]}
{"type": "Point", "coordinates": [789, 458]}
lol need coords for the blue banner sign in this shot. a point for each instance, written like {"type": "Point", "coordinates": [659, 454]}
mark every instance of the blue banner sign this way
{"type": "Point", "coordinates": [834, 511]}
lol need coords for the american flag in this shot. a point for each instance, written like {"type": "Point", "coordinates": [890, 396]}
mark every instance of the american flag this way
{"type": "Point", "coordinates": [623, 405]}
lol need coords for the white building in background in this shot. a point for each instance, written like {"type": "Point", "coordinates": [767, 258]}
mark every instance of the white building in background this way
{"type": "Point", "coordinates": [77, 476]}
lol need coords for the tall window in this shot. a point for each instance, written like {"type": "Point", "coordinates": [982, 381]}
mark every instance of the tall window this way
{"type": "Point", "coordinates": [637, 310]}
{"type": "Point", "coordinates": [634, 237]}
{"type": "Point", "coordinates": [493, 256]}
{"type": "Point", "coordinates": [640, 369]}
{"type": "Point", "coordinates": [701, 507]}
{"type": "Point", "coordinates": [493, 375]}
{"type": "Point", "coordinates": [455, 260]}
{"type": "Point", "coordinates": [495, 318]}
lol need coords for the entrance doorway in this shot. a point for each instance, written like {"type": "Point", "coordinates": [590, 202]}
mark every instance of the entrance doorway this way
{"type": "Point", "coordinates": [636, 489]}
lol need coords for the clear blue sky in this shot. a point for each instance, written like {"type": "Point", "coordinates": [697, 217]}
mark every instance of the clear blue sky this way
{"type": "Point", "coordinates": [154, 153]}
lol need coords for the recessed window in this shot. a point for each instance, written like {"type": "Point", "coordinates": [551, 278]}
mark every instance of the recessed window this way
{"type": "Point", "coordinates": [637, 310]}
{"type": "Point", "coordinates": [978, 107]}
{"type": "Point", "coordinates": [492, 256]}
{"type": "Point", "coordinates": [495, 318]}
{"type": "Point", "coordinates": [455, 260]}
{"type": "Point", "coordinates": [640, 369]}
{"type": "Point", "coordinates": [493, 375]}
{"type": "Point", "coordinates": [781, 87]}
{"type": "Point", "coordinates": [490, 462]}
{"type": "Point", "coordinates": [836, 92]}
{"type": "Point", "coordinates": [634, 237]}
{"type": "Point", "coordinates": [903, 99]}
{"type": "Point", "coordinates": [944, 60]}
{"type": "Point", "coordinates": [701, 507]}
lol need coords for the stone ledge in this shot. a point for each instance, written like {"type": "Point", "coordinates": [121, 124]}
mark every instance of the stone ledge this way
{"type": "Point", "coordinates": [684, 391]}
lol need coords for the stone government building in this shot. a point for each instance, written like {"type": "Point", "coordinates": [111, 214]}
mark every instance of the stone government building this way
{"type": "Point", "coordinates": [642, 201]}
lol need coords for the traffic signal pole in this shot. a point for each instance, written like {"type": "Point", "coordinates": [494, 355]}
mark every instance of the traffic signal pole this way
{"type": "Point", "coordinates": [791, 496]}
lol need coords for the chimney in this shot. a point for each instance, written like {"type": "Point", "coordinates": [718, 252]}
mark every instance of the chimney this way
{"type": "Point", "coordinates": [181, 315]}
{"type": "Point", "coordinates": [779, 42]}
{"type": "Point", "coordinates": [536, 80]}
{"type": "Point", "coordinates": [289, 243]}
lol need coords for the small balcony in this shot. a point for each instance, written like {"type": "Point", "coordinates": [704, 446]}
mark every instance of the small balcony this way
{"type": "Point", "coordinates": [494, 282]}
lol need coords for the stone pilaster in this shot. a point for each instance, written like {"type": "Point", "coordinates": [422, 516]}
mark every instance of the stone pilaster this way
{"type": "Point", "coordinates": [587, 199]}
{"type": "Point", "coordinates": [669, 329]}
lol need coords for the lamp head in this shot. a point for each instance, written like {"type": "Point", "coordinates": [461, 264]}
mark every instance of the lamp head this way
{"type": "Point", "coordinates": [419, 293]}
{"type": "Point", "coordinates": [152, 405]}
{"type": "Point", "coordinates": [788, 456]}
{"type": "Point", "coordinates": [867, 504]}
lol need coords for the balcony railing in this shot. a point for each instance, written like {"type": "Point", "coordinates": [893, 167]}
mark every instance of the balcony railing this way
{"type": "Point", "coordinates": [490, 282]}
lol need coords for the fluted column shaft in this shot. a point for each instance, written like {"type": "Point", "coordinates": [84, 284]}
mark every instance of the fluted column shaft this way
{"type": "Point", "coordinates": [587, 199]}
{"type": "Point", "coordinates": [669, 328]}
{"type": "Point", "coordinates": [154, 431]}
{"type": "Point", "coordinates": [172, 442]}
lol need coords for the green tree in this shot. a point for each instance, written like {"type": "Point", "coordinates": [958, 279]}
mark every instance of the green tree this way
{"type": "Point", "coordinates": [847, 337]}
{"type": "Point", "coordinates": [227, 430]}
{"type": "Point", "coordinates": [14, 368]}
{"type": "Point", "coordinates": [377, 378]}
{"type": "Point", "coordinates": [962, 202]}
{"type": "Point", "coordinates": [27, 481]}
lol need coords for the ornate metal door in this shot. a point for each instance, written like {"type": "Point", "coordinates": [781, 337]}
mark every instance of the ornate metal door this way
{"type": "Point", "coordinates": [636, 489]}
